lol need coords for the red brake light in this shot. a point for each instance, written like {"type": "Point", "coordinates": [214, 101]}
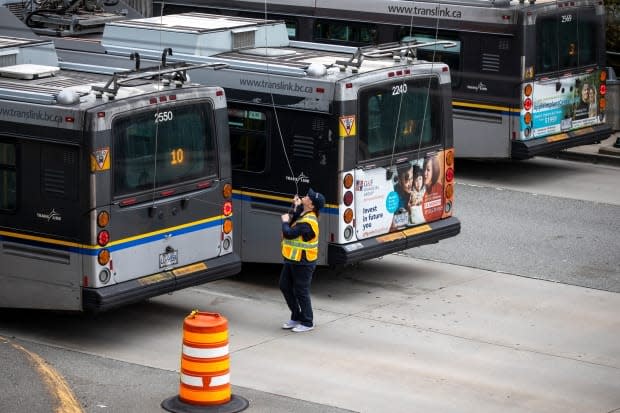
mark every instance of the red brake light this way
{"type": "Point", "coordinates": [449, 174]}
{"type": "Point", "coordinates": [103, 238]}
{"type": "Point", "coordinates": [348, 198]}
{"type": "Point", "coordinates": [603, 89]}
{"type": "Point", "coordinates": [527, 104]}
{"type": "Point", "coordinates": [227, 208]}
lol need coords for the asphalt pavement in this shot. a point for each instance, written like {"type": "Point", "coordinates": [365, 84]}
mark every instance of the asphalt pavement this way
{"type": "Point", "coordinates": [24, 390]}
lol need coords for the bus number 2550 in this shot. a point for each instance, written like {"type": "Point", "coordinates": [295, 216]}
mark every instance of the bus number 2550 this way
{"type": "Point", "coordinates": [163, 116]}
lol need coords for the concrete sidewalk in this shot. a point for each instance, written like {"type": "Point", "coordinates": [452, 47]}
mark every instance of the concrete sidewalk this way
{"type": "Point", "coordinates": [601, 153]}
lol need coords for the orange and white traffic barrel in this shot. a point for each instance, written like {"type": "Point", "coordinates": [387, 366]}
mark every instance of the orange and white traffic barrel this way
{"type": "Point", "coordinates": [205, 367]}
{"type": "Point", "coordinates": [205, 363]}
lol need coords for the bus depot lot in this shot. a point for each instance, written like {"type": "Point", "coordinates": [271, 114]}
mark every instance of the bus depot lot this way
{"type": "Point", "coordinates": [395, 334]}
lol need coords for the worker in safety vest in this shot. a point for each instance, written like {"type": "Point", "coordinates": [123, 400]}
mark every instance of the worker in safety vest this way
{"type": "Point", "coordinates": [300, 249]}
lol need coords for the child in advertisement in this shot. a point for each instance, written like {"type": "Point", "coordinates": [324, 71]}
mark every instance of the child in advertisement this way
{"type": "Point", "coordinates": [417, 195]}
{"type": "Point", "coordinates": [402, 187]}
{"type": "Point", "coordinates": [410, 189]}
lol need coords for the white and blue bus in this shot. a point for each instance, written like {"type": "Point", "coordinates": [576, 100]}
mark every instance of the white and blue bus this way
{"type": "Point", "coordinates": [358, 125]}
{"type": "Point", "coordinates": [528, 77]}
{"type": "Point", "coordinates": [113, 187]}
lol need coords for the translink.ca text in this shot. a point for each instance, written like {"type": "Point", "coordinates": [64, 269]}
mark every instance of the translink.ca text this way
{"type": "Point", "coordinates": [424, 11]}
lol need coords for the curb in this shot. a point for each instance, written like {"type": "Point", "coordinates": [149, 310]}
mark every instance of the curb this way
{"type": "Point", "coordinates": [609, 150]}
{"type": "Point", "coordinates": [602, 158]}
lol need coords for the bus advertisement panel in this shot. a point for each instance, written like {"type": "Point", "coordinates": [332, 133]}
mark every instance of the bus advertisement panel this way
{"type": "Point", "coordinates": [401, 197]}
{"type": "Point", "coordinates": [566, 104]}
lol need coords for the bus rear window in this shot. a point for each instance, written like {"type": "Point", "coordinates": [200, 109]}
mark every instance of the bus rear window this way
{"type": "Point", "coordinates": [399, 117]}
{"type": "Point", "coordinates": [566, 41]}
{"type": "Point", "coordinates": [160, 148]}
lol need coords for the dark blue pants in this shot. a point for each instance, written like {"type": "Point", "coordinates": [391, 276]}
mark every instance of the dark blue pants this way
{"type": "Point", "coordinates": [295, 283]}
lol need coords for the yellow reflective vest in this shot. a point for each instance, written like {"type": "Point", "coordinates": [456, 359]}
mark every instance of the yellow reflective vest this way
{"type": "Point", "coordinates": [292, 248]}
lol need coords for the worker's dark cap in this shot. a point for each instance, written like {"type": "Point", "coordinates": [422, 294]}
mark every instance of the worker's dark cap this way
{"type": "Point", "coordinates": [318, 200]}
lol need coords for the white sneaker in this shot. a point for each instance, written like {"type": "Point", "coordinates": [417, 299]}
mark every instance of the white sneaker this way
{"type": "Point", "coordinates": [300, 328]}
{"type": "Point", "coordinates": [290, 324]}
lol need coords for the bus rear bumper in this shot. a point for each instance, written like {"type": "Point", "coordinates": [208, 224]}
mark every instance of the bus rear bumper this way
{"type": "Point", "coordinates": [341, 254]}
{"type": "Point", "coordinates": [106, 298]}
{"type": "Point", "coordinates": [555, 143]}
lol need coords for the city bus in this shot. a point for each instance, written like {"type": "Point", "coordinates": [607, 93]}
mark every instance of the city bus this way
{"type": "Point", "coordinates": [358, 125]}
{"type": "Point", "coordinates": [528, 78]}
{"type": "Point", "coordinates": [113, 187]}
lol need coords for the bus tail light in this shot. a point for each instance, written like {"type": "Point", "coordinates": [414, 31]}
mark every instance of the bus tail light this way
{"type": "Point", "coordinates": [103, 219]}
{"type": "Point", "coordinates": [449, 158]}
{"type": "Point", "coordinates": [449, 175]}
{"type": "Point", "coordinates": [527, 104]}
{"type": "Point", "coordinates": [227, 226]}
{"type": "Point", "coordinates": [603, 75]}
{"type": "Point", "coordinates": [348, 181]}
{"type": "Point", "coordinates": [527, 118]}
{"type": "Point", "coordinates": [603, 89]}
{"type": "Point", "coordinates": [227, 191]}
{"type": "Point", "coordinates": [348, 215]}
{"type": "Point", "coordinates": [227, 208]}
{"type": "Point", "coordinates": [103, 257]}
{"type": "Point", "coordinates": [348, 198]}
{"type": "Point", "coordinates": [602, 103]}
{"type": "Point", "coordinates": [449, 191]}
{"type": "Point", "coordinates": [527, 90]}
{"type": "Point", "coordinates": [103, 238]}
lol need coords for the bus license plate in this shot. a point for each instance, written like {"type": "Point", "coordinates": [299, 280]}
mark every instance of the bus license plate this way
{"type": "Point", "coordinates": [401, 219]}
{"type": "Point", "coordinates": [566, 124]}
{"type": "Point", "coordinates": [168, 259]}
